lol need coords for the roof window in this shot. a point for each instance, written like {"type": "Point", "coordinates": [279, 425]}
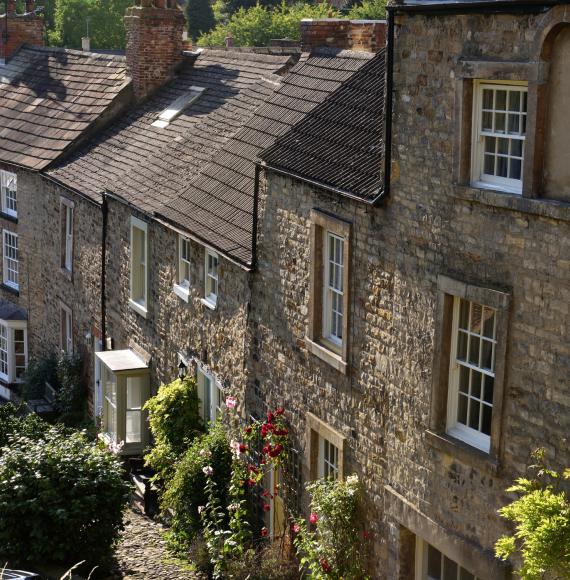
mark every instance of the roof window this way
{"type": "Point", "coordinates": [177, 106]}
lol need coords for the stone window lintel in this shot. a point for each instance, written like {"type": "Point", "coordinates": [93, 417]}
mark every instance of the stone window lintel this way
{"type": "Point", "coordinates": [315, 429]}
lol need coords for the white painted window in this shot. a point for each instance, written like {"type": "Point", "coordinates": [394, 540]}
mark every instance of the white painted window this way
{"type": "Point", "coordinates": [472, 373]}
{"type": "Point", "coordinates": [328, 459]}
{"type": "Point", "coordinates": [211, 278]}
{"type": "Point", "coordinates": [9, 190]}
{"type": "Point", "coordinates": [182, 286]}
{"type": "Point", "coordinates": [211, 396]}
{"type": "Point", "coordinates": [499, 133]}
{"type": "Point", "coordinates": [66, 213]}
{"type": "Point", "coordinates": [431, 564]}
{"type": "Point", "coordinates": [176, 108]}
{"type": "Point", "coordinates": [13, 350]}
{"type": "Point", "coordinates": [139, 266]}
{"type": "Point", "coordinates": [110, 427]}
{"type": "Point", "coordinates": [10, 271]}
{"type": "Point", "coordinates": [333, 288]}
{"type": "Point", "coordinates": [133, 409]}
{"type": "Point", "coordinates": [66, 332]}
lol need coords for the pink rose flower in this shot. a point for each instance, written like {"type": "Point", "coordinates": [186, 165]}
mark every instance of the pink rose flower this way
{"type": "Point", "coordinates": [231, 402]}
{"type": "Point", "coordinates": [313, 518]}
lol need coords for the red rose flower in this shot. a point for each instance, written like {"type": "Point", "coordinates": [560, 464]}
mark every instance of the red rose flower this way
{"type": "Point", "coordinates": [296, 528]}
{"type": "Point", "coordinates": [325, 565]}
{"type": "Point", "coordinates": [251, 482]}
{"type": "Point", "coordinates": [262, 462]}
{"type": "Point", "coordinates": [242, 448]}
{"type": "Point", "coordinates": [270, 417]}
{"type": "Point", "coordinates": [252, 468]}
{"type": "Point", "coordinates": [266, 507]}
{"type": "Point", "coordinates": [276, 450]}
{"type": "Point", "coordinates": [265, 493]}
{"type": "Point", "coordinates": [281, 432]}
{"type": "Point", "coordinates": [366, 534]}
{"type": "Point", "coordinates": [264, 532]}
{"type": "Point", "coordinates": [248, 430]}
{"type": "Point", "coordinates": [279, 411]}
{"type": "Point", "coordinates": [266, 449]}
{"type": "Point", "coordinates": [313, 518]}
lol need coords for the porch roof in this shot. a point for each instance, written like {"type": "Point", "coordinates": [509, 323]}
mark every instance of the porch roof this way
{"type": "Point", "coordinates": [121, 360]}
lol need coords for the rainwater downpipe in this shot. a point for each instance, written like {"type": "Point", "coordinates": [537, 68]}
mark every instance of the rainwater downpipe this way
{"type": "Point", "coordinates": [105, 212]}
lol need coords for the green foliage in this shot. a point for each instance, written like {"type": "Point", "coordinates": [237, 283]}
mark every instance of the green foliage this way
{"type": "Point", "coordinates": [232, 6]}
{"type": "Point", "coordinates": [14, 422]}
{"type": "Point", "coordinates": [186, 489]}
{"type": "Point", "coordinates": [61, 499]}
{"type": "Point", "coordinates": [200, 17]}
{"type": "Point", "coordinates": [174, 417]}
{"type": "Point", "coordinates": [369, 10]}
{"type": "Point", "coordinates": [39, 371]}
{"type": "Point", "coordinates": [103, 19]}
{"type": "Point", "coordinates": [542, 524]}
{"type": "Point", "coordinates": [268, 562]}
{"type": "Point", "coordinates": [336, 548]}
{"type": "Point", "coordinates": [257, 25]}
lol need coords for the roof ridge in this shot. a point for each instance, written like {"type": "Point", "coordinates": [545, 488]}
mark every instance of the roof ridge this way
{"type": "Point", "coordinates": [74, 51]}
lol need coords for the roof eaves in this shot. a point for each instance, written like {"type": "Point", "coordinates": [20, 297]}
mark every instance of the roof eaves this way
{"type": "Point", "coordinates": [472, 6]}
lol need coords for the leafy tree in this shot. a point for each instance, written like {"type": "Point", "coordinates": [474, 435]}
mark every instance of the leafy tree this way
{"type": "Point", "coordinates": [103, 19]}
{"type": "Point", "coordinates": [256, 26]}
{"type": "Point", "coordinates": [232, 6]}
{"type": "Point", "coordinates": [542, 524]}
{"type": "Point", "coordinates": [368, 10]}
{"type": "Point", "coordinates": [200, 16]}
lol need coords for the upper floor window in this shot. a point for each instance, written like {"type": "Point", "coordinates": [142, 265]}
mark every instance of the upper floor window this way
{"type": "Point", "coordinates": [66, 330]}
{"type": "Point", "coordinates": [472, 375]}
{"type": "Point", "coordinates": [500, 119]}
{"type": "Point", "coordinates": [10, 264]}
{"type": "Point", "coordinates": [333, 311]}
{"type": "Point", "coordinates": [13, 350]}
{"type": "Point", "coordinates": [211, 278]}
{"type": "Point", "coordinates": [9, 187]}
{"type": "Point", "coordinates": [139, 266]}
{"type": "Point", "coordinates": [182, 286]}
{"type": "Point", "coordinates": [66, 229]}
{"type": "Point", "coordinates": [327, 335]}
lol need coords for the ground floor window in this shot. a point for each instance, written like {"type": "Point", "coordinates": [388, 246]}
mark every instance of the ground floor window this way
{"type": "Point", "coordinates": [211, 396]}
{"type": "Point", "coordinates": [126, 388]}
{"type": "Point", "coordinates": [13, 350]}
{"type": "Point", "coordinates": [431, 564]}
{"type": "Point", "coordinates": [328, 459]}
{"type": "Point", "coordinates": [325, 449]}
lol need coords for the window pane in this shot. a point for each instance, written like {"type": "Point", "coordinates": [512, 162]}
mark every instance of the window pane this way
{"type": "Point", "coordinates": [464, 314]}
{"type": "Point", "coordinates": [514, 101]}
{"type": "Point", "coordinates": [474, 407]}
{"type": "Point", "coordinates": [503, 147]}
{"type": "Point", "coordinates": [516, 147]}
{"type": "Point", "coordinates": [515, 169]}
{"type": "Point", "coordinates": [464, 379]}
{"type": "Point", "coordinates": [489, 323]}
{"type": "Point", "coordinates": [487, 99]}
{"type": "Point", "coordinates": [489, 387]}
{"type": "Point", "coordinates": [487, 355]}
{"type": "Point", "coordinates": [434, 563]}
{"type": "Point", "coordinates": [486, 423]}
{"type": "Point", "coordinates": [500, 122]}
{"type": "Point", "coordinates": [476, 384]}
{"type": "Point", "coordinates": [487, 121]}
{"type": "Point", "coordinates": [501, 100]}
{"type": "Point", "coordinates": [490, 144]}
{"type": "Point", "coordinates": [502, 167]}
{"type": "Point", "coordinates": [462, 409]}
{"type": "Point", "coordinates": [489, 165]}
{"type": "Point", "coordinates": [462, 345]}
{"type": "Point", "coordinates": [133, 427]}
{"type": "Point", "coordinates": [474, 350]}
{"type": "Point", "coordinates": [134, 393]}
{"type": "Point", "coordinates": [449, 569]}
{"type": "Point", "coordinates": [514, 124]}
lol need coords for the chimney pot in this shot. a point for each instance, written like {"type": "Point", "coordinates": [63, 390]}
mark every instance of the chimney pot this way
{"type": "Point", "coordinates": [229, 41]}
{"type": "Point", "coordinates": [30, 6]}
{"type": "Point", "coordinates": [86, 44]}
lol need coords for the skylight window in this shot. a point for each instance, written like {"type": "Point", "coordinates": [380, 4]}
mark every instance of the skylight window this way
{"type": "Point", "coordinates": [177, 106]}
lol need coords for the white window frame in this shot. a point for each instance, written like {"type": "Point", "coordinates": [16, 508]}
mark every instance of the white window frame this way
{"type": "Point", "coordinates": [6, 179]}
{"type": "Point", "coordinates": [7, 271]}
{"type": "Point", "coordinates": [67, 215]}
{"type": "Point", "coordinates": [210, 394]}
{"type": "Point", "coordinates": [421, 562]}
{"type": "Point", "coordinates": [211, 298]}
{"type": "Point", "coordinates": [66, 318]}
{"type": "Point", "coordinates": [478, 177]}
{"type": "Point", "coordinates": [139, 303]}
{"type": "Point", "coordinates": [455, 428]}
{"type": "Point", "coordinates": [8, 330]}
{"type": "Point", "coordinates": [182, 286]}
{"type": "Point", "coordinates": [331, 290]}
{"type": "Point", "coordinates": [328, 459]}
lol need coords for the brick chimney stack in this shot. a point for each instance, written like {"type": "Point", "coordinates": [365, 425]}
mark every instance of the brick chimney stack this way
{"type": "Point", "coordinates": [359, 35]}
{"type": "Point", "coordinates": [17, 29]}
{"type": "Point", "coordinates": [154, 43]}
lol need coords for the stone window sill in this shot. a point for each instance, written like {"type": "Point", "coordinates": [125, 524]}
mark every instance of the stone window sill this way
{"type": "Point", "coordinates": [138, 308]}
{"type": "Point", "coordinates": [327, 356]}
{"type": "Point", "coordinates": [548, 208]}
{"type": "Point", "coordinates": [182, 292]}
{"type": "Point", "coordinates": [209, 304]}
{"type": "Point", "coordinates": [10, 289]}
{"type": "Point", "coordinates": [464, 452]}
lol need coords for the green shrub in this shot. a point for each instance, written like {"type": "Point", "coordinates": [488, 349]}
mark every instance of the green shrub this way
{"type": "Point", "coordinates": [542, 518]}
{"type": "Point", "coordinates": [14, 422]}
{"type": "Point", "coordinates": [61, 499]}
{"type": "Point", "coordinates": [368, 10]}
{"type": "Point", "coordinates": [257, 25]}
{"type": "Point", "coordinates": [71, 398]}
{"type": "Point", "coordinates": [174, 417]}
{"type": "Point", "coordinates": [39, 371]}
{"type": "Point", "coordinates": [186, 491]}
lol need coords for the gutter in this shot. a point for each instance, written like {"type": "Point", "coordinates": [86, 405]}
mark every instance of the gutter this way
{"type": "Point", "coordinates": [486, 7]}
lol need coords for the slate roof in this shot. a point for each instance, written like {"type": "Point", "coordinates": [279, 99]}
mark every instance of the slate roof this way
{"type": "Point", "coordinates": [49, 97]}
{"type": "Point", "coordinates": [147, 165]}
{"type": "Point", "coordinates": [339, 145]}
{"type": "Point", "coordinates": [217, 206]}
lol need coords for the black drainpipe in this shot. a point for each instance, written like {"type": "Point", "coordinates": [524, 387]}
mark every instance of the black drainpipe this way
{"type": "Point", "coordinates": [105, 210]}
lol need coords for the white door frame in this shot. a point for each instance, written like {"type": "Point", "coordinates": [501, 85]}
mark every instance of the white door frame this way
{"type": "Point", "coordinates": [98, 384]}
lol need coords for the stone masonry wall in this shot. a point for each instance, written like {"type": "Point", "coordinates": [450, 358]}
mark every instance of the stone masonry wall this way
{"type": "Point", "coordinates": [427, 227]}
{"type": "Point", "coordinates": [216, 337]}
